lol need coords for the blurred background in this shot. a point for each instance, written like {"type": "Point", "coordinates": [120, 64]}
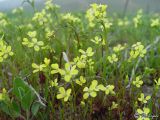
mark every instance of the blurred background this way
{"type": "Point", "coordinates": [119, 6]}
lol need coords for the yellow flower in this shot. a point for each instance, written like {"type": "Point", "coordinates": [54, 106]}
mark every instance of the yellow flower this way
{"type": "Point", "coordinates": [50, 6]}
{"type": "Point", "coordinates": [33, 42]}
{"type": "Point", "coordinates": [40, 17]}
{"type": "Point", "coordinates": [17, 10]}
{"type": "Point", "coordinates": [54, 83]}
{"type": "Point", "coordinates": [3, 20]}
{"type": "Point", "coordinates": [96, 40]}
{"type": "Point", "coordinates": [68, 72]}
{"type": "Point", "coordinates": [123, 22]}
{"type": "Point", "coordinates": [144, 99]}
{"type": "Point", "coordinates": [49, 34]}
{"type": "Point", "coordinates": [114, 106]}
{"type": "Point", "coordinates": [87, 53]}
{"type": "Point", "coordinates": [80, 62]}
{"type": "Point", "coordinates": [155, 22]}
{"type": "Point", "coordinates": [137, 18]}
{"type": "Point", "coordinates": [64, 94]}
{"type": "Point", "coordinates": [113, 58]}
{"type": "Point", "coordinates": [93, 89]}
{"type": "Point", "coordinates": [143, 114]}
{"type": "Point", "coordinates": [32, 34]}
{"type": "Point", "coordinates": [5, 51]}
{"type": "Point", "coordinates": [38, 68]}
{"type": "Point", "coordinates": [138, 82]}
{"type": "Point", "coordinates": [55, 68]}
{"type": "Point", "coordinates": [119, 48]}
{"type": "Point", "coordinates": [41, 67]}
{"type": "Point", "coordinates": [109, 89]}
{"type": "Point", "coordinates": [70, 18]}
{"type": "Point", "coordinates": [96, 13]}
{"type": "Point", "coordinates": [36, 44]}
{"type": "Point", "coordinates": [137, 50]}
{"type": "Point", "coordinates": [157, 82]}
{"type": "Point", "coordinates": [81, 81]}
{"type": "Point", "coordinates": [3, 94]}
{"type": "Point", "coordinates": [46, 61]}
{"type": "Point", "coordinates": [107, 24]}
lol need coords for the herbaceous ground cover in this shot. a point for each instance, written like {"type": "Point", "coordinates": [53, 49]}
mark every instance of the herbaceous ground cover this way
{"type": "Point", "coordinates": [67, 66]}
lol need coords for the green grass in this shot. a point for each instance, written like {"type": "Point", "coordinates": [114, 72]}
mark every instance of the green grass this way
{"type": "Point", "coordinates": [71, 66]}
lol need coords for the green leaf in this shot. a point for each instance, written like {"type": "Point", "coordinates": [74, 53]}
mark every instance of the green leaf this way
{"type": "Point", "coordinates": [27, 100]}
{"type": "Point", "coordinates": [19, 88]}
{"type": "Point", "coordinates": [35, 107]}
{"type": "Point", "coordinates": [16, 109]}
{"type": "Point", "coordinates": [4, 107]}
{"type": "Point", "coordinates": [23, 92]}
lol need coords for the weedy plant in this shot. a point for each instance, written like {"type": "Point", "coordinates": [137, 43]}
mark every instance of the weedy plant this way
{"type": "Point", "coordinates": [79, 66]}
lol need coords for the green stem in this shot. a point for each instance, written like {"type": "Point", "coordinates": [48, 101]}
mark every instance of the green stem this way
{"type": "Point", "coordinates": [62, 110]}
{"type": "Point", "coordinates": [104, 48]}
{"type": "Point", "coordinates": [74, 96]}
{"type": "Point", "coordinates": [91, 106]}
{"type": "Point", "coordinates": [27, 115]}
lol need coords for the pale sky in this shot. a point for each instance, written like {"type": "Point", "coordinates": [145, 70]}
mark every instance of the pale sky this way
{"type": "Point", "coordinates": [76, 5]}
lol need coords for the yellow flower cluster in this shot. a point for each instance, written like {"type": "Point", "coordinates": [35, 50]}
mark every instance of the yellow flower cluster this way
{"type": "Point", "coordinates": [70, 18]}
{"type": "Point", "coordinates": [112, 58]}
{"type": "Point", "coordinates": [54, 83]}
{"type": "Point", "coordinates": [41, 67]}
{"type": "Point", "coordinates": [138, 82]}
{"type": "Point", "coordinates": [37, 45]}
{"type": "Point", "coordinates": [119, 48]}
{"type": "Point", "coordinates": [41, 18]}
{"type": "Point", "coordinates": [84, 59]}
{"type": "Point", "coordinates": [137, 50]}
{"type": "Point", "coordinates": [106, 24]}
{"type": "Point", "coordinates": [123, 22]}
{"type": "Point", "coordinates": [3, 21]}
{"type": "Point", "coordinates": [137, 18]}
{"type": "Point", "coordinates": [96, 13]}
{"type": "Point", "coordinates": [96, 40]}
{"type": "Point", "coordinates": [50, 6]}
{"type": "Point", "coordinates": [81, 81]}
{"type": "Point", "coordinates": [44, 17]}
{"type": "Point", "coordinates": [155, 22]}
{"type": "Point", "coordinates": [94, 88]}
{"type": "Point", "coordinates": [5, 51]}
{"type": "Point", "coordinates": [18, 10]}
{"type": "Point", "coordinates": [64, 94]}
{"type": "Point", "coordinates": [3, 95]}
{"type": "Point", "coordinates": [144, 99]}
{"type": "Point", "coordinates": [68, 72]}
{"type": "Point", "coordinates": [49, 34]}
{"type": "Point", "coordinates": [143, 114]}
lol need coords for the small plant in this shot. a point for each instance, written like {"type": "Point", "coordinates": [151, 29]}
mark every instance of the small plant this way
{"type": "Point", "coordinates": [26, 100]}
{"type": "Point", "coordinates": [83, 66]}
{"type": "Point", "coordinates": [64, 94]}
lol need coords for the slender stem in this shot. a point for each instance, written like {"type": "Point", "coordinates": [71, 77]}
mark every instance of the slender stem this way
{"type": "Point", "coordinates": [62, 110]}
{"type": "Point", "coordinates": [104, 47]}
{"type": "Point", "coordinates": [74, 96]}
{"type": "Point", "coordinates": [60, 65]}
{"type": "Point", "coordinates": [91, 105]}
{"type": "Point", "coordinates": [27, 115]}
{"type": "Point", "coordinates": [125, 7]}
